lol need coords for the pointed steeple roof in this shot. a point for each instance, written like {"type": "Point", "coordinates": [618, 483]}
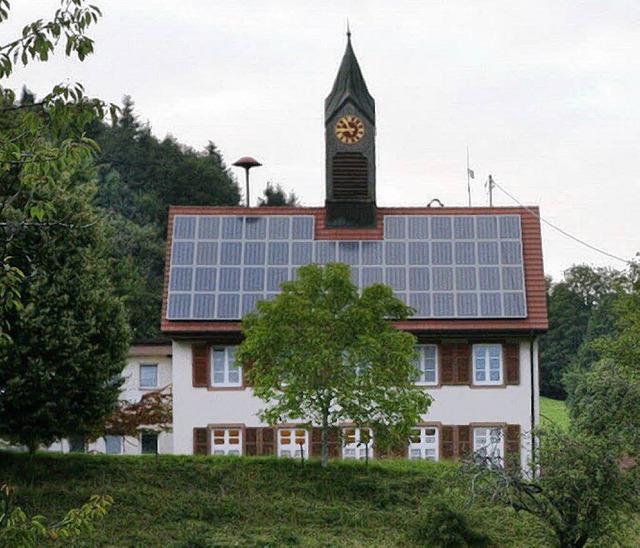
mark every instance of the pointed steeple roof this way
{"type": "Point", "coordinates": [350, 86]}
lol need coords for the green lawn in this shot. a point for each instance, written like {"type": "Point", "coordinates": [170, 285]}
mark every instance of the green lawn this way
{"type": "Point", "coordinates": [208, 501]}
{"type": "Point", "coordinates": [554, 412]}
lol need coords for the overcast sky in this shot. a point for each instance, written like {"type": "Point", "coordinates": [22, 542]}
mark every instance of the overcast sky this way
{"type": "Point", "coordinates": [545, 93]}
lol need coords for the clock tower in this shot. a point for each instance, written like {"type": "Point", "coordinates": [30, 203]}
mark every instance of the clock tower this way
{"type": "Point", "coordinates": [350, 130]}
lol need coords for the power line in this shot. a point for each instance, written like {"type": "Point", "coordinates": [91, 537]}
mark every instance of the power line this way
{"type": "Point", "coordinates": [564, 232]}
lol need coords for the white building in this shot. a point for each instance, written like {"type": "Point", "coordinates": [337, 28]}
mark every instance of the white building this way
{"type": "Point", "coordinates": [474, 276]}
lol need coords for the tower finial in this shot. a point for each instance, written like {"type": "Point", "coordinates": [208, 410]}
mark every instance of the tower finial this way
{"type": "Point", "coordinates": [348, 31]}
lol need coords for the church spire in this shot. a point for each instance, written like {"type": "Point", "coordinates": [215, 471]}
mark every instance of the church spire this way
{"type": "Point", "coordinates": [350, 129]}
{"type": "Point", "coordinates": [350, 86]}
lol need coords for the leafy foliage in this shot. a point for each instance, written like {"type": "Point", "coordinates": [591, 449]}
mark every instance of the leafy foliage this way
{"type": "Point", "coordinates": [320, 353]}
{"type": "Point", "coordinates": [154, 411]}
{"type": "Point", "coordinates": [65, 333]}
{"type": "Point", "coordinates": [275, 195]}
{"type": "Point", "coordinates": [583, 493]}
{"type": "Point", "coordinates": [17, 529]}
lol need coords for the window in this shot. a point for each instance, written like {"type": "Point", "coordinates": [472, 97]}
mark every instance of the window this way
{"type": "Point", "coordinates": [488, 443]}
{"type": "Point", "coordinates": [293, 442]}
{"type": "Point", "coordinates": [487, 364]}
{"type": "Point", "coordinates": [226, 441]}
{"type": "Point", "coordinates": [225, 371]}
{"type": "Point", "coordinates": [113, 445]}
{"type": "Point", "coordinates": [148, 376]}
{"type": "Point", "coordinates": [77, 444]}
{"type": "Point", "coordinates": [357, 443]}
{"type": "Point", "coordinates": [149, 444]}
{"type": "Point", "coordinates": [423, 443]}
{"type": "Point", "coordinates": [427, 364]}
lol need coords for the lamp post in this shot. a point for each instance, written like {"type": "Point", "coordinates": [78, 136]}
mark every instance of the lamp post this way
{"type": "Point", "coordinates": [247, 162]}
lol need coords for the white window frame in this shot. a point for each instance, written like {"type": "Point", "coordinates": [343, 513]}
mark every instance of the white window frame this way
{"type": "Point", "coordinates": [483, 362]}
{"type": "Point", "coordinates": [488, 444]}
{"type": "Point", "coordinates": [226, 441]}
{"type": "Point", "coordinates": [352, 446]}
{"type": "Point", "coordinates": [114, 438]}
{"type": "Point", "coordinates": [148, 386]}
{"type": "Point", "coordinates": [423, 361]}
{"type": "Point", "coordinates": [231, 374]}
{"type": "Point", "coordinates": [295, 434]}
{"type": "Point", "coordinates": [424, 443]}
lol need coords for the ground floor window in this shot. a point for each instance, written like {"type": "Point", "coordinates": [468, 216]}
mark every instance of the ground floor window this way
{"type": "Point", "coordinates": [113, 445]}
{"type": "Point", "coordinates": [423, 443]}
{"type": "Point", "coordinates": [357, 443]}
{"type": "Point", "coordinates": [77, 444]}
{"type": "Point", "coordinates": [226, 441]}
{"type": "Point", "coordinates": [293, 442]}
{"type": "Point", "coordinates": [148, 444]}
{"type": "Point", "coordinates": [488, 443]}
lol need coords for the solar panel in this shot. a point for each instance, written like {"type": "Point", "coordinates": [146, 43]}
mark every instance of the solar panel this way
{"type": "Point", "coordinates": [444, 266]}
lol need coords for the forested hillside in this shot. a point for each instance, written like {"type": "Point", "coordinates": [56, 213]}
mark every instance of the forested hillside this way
{"type": "Point", "coordinates": [140, 176]}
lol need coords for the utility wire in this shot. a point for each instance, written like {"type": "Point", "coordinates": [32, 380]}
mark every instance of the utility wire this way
{"type": "Point", "coordinates": [564, 232]}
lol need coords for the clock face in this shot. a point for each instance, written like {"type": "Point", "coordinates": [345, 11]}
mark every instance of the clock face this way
{"type": "Point", "coordinates": [349, 130]}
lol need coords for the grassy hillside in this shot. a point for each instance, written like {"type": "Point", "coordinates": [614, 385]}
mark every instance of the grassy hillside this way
{"type": "Point", "coordinates": [554, 412]}
{"type": "Point", "coordinates": [193, 502]}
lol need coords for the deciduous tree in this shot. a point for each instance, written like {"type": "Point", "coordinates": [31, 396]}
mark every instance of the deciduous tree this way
{"type": "Point", "coordinates": [321, 353]}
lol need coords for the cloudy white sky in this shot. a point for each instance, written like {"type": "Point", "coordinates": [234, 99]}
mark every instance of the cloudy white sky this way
{"type": "Point", "coordinates": [545, 93]}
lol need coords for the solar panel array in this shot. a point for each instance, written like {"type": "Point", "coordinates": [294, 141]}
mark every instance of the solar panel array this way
{"type": "Point", "coordinates": [443, 266]}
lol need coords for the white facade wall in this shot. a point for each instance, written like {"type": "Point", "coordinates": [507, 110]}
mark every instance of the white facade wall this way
{"type": "Point", "coordinates": [452, 405]}
{"type": "Point", "coordinates": [131, 390]}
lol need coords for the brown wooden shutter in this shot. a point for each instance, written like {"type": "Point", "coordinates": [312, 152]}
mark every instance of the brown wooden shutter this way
{"type": "Point", "coordinates": [251, 442]}
{"type": "Point", "coordinates": [447, 442]}
{"type": "Point", "coordinates": [245, 369]}
{"type": "Point", "coordinates": [512, 363]}
{"type": "Point", "coordinates": [463, 364]}
{"type": "Point", "coordinates": [201, 441]}
{"type": "Point", "coordinates": [456, 363]}
{"type": "Point", "coordinates": [316, 442]}
{"type": "Point", "coordinates": [335, 445]}
{"type": "Point", "coordinates": [512, 445]}
{"type": "Point", "coordinates": [397, 450]}
{"type": "Point", "coordinates": [465, 441]}
{"type": "Point", "coordinates": [446, 364]}
{"type": "Point", "coordinates": [200, 365]}
{"type": "Point", "coordinates": [267, 446]}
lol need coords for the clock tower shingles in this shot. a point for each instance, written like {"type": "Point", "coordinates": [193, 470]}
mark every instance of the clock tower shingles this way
{"type": "Point", "coordinates": [350, 127]}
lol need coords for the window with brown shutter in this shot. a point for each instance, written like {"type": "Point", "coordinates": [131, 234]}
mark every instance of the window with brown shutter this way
{"type": "Point", "coordinates": [456, 364]}
{"type": "Point", "coordinates": [512, 363]}
{"type": "Point", "coordinates": [200, 365]}
{"type": "Point", "coordinates": [200, 441]}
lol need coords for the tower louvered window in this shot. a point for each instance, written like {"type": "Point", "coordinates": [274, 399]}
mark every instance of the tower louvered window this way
{"type": "Point", "coordinates": [349, 176]}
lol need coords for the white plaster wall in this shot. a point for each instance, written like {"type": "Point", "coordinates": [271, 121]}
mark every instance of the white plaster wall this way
{"type": "Point", "coordinates": [131, 391]}
{"type": "Point", "coordinates": [455, 405]}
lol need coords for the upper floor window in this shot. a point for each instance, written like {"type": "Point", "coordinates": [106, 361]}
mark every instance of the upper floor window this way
{"type": "Point", "coordinates": [427, 364]}
{"type": "Point", "coordinates": [293, 442]}
{"type": "Point", "coordinates": [488, 443]}
{"type": "Point", "coordinates": [225, 370]}
{"type": "Point", "coordinates": [148, 376]}
{"type": "Point", "coordinates": [423, 443]}
{"type": "Point", "coordinates": [357, 443]}
{"type": "Point", "coordinates": [226, 441]}
{"type": "Point", "coordinates": [487, 364]}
